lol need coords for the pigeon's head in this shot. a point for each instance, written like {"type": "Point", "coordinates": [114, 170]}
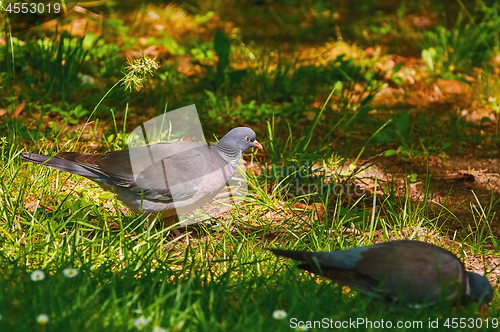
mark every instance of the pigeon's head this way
{"type": "Point", "coordinates": [479, 288]}
{"type": "Point", "coordinates": [242, 137]}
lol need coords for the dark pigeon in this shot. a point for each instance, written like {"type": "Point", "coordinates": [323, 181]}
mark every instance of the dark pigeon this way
{"type": "Point", "coordinates": [412, 272]}
{"type": "Point", "coordinates": [169, 178]}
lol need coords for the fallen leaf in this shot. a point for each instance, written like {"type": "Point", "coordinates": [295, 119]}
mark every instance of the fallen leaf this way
{"type": "Point", "coordinates": [18, 110]}
{"type": "Point", "coordinates": [450, 86]}
{"type": "Point", "coordinates": [155, 50]}
{"type": "Point", "coordinates": [184, 65]}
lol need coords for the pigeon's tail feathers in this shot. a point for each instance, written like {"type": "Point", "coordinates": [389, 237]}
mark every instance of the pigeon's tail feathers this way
{"type": "Point", "coordinates": [59, 163]}
{"type": "Point", "coordinates": [342, 259]}
{"type": "Point", "coordinates": [297, 255]}
{"type": "Point", "coordinates": [310, 258]}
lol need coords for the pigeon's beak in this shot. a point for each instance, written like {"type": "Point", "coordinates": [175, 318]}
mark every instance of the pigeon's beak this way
{"type": "Point", "coordinates": [257, 145]}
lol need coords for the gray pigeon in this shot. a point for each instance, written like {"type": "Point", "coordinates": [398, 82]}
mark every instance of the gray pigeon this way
{"type": "Point", "coordinates": [412, 272]}
{"type": "Point", "coordinates": [169, 178]}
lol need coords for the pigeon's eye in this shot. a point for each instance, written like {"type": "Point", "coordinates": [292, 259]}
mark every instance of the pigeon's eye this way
{"type": "Point", "coordinates": [247, 138]}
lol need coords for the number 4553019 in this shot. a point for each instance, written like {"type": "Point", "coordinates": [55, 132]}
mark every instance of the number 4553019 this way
{"type": "Point", "coordinates": [33, 8]}
{"type": "Point", "coordinates": [471, 323]}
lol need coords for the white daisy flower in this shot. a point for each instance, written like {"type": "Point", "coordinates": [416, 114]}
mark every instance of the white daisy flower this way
{"type": "Point", "coordinates": [42, 319]}
{"type": "Point", "coordinates": [279, 314]}
{"type": "Point", "coordinates": [140, 322]}
{"type": "Point", "coordinates": [302, 328]}
{"type": "Point", "coordinates": [70, 272]}
{"type": "Point", "coordinates": [37, 275]}
{"type": "Point", "coordinates": [159, 329]}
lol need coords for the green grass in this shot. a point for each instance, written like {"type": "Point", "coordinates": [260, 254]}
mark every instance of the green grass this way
{"type": "Point", "coordinates": [223, 280]}
{"type": "Point", "coordinates": [242, 296]}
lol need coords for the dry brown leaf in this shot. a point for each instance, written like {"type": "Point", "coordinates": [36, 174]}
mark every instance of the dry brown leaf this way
{"type": "Point", "coordinates": [131, 54]}
{"type": "Point", "coordinates": [450, 86]}
{"type": "Point", "coordinates": [155, 50]}
{"type": "Point", "coordinates": [318, 208]}
{"type": "Point", "coordinates": [185, 66]}
{"type": "Point", "coordinates": [18, 110]}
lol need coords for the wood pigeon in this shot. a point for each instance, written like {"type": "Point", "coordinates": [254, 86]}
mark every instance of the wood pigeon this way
{"type": "Point", "coordinates": [413, 272]}
{"type": "Point", "coordinates": [169, 178]}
